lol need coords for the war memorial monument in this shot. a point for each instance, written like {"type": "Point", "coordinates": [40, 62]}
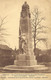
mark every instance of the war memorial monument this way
{"type": "Point", "coordinates": [26, 59]}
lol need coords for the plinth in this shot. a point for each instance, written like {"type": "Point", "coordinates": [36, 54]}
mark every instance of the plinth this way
{"type": "Point", "coordinates": [24, 64]}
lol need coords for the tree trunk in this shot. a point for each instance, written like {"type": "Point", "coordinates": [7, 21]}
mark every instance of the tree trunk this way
{"type": "Point", "coordinates": [34, 48]}
{"type": "Point", "coordinates": [35, 41]}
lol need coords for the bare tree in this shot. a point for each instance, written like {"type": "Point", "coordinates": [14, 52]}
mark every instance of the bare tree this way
{"type": "Point", "coordinates": [2, 29]}
{"type": "Point", "coordinates": [37, 27]}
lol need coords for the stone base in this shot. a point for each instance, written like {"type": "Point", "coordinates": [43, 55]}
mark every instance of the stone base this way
{"type": "Point", "coordinates": [25, 68]}
{"type": "Point", "coordinates": [25, 60]}
{"type": "Point", "coordinates": [25, 63]}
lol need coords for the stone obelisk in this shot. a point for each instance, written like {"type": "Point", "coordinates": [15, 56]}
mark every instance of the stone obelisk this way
{"type": "Point", "coordinates": [25, 37]}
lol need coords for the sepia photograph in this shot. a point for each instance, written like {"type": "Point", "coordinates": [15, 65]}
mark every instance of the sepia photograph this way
{"type": "Point", "coordinates": [25, 36]}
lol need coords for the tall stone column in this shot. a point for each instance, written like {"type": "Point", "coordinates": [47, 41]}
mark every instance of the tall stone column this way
{"type": "Point", "coordinates": [25, 35]}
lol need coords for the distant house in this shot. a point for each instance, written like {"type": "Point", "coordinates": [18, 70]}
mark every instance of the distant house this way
{"type": "Point", "coordinates": [6, 56]}
{"type": "Point", "coordinates": [4, 49]}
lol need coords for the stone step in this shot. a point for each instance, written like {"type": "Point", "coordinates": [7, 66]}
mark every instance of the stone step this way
{"type": "Point", "coordinates": [35, 67]}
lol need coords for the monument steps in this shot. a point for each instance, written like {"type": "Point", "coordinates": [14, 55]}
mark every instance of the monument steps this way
{"type": "Point", "coordinates": [26, 68]}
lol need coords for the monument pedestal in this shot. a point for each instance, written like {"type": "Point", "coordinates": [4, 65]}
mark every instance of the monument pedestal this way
{"type": "Point", "coordinates": [24, 63]}
{"type": "Point", "coordinates": [25, 60]}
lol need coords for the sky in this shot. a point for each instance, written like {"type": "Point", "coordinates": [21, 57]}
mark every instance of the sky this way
{"type": "Point", "coordinates": [12, 9]}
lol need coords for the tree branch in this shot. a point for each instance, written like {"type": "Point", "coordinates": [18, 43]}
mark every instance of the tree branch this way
{"type": "Point", "coordinates": [40, 32]}
{"type": "Point", "coordinates": [2, 21]}
{"type": "Point", "coordinates": [39, 21]}
{"type": "Point", "coordinates": [37, 42]}
{"type": "Point", "coordinates": [41, 27]}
